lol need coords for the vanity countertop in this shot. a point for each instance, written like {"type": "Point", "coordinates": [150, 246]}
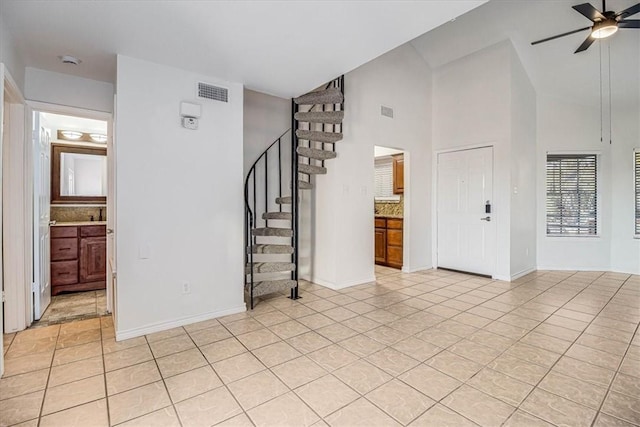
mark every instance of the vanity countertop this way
{"type": "Point", "coordinates": [388, 216]}
{"type": "Point", "coordinates": [78, 223]}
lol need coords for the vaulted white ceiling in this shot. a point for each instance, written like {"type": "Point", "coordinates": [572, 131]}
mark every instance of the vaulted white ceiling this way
{"type": "Point", "coordinates": [552, 66]}
{"type": "Point", "coordinates": [280, 47]}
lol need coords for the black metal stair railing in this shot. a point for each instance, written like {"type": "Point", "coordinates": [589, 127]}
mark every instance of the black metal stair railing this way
{"type": "Point", "coordinates": [250, 199]}
{"type": "Point", "coordinates": [275, 152]}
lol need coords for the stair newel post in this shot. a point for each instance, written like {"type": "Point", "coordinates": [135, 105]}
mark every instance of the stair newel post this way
{"type": "Point", "coordinates": [294, 198]}
{"type": "Point", "coordinates": [266, 186]}
{"type": "Point", "coordinates": [280, 171]}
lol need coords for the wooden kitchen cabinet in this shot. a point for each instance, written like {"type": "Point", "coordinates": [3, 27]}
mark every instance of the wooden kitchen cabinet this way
{"type": "Point", "coordinates": [388, 242]}
{"type": "Point", "coordinates": [381, 245]}
{"type": "Point", "coordinates": [398, 174]}
{"type": "Point", "coordinates": [78, 258]}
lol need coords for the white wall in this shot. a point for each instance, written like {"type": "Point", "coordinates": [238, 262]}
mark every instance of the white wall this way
{"type": "Point", "coordinates": [68, 90]}
{"type": "Point", "coordinates": [483, 99]}
{"type": "Point", "coordinates": [523, 170]}
{"type": "Point", "coordinates": [10, 56]}
{"type": "Point", "coordinates": [179, 200]}
{"type": "Point", "coordinates": [344, 207]}
{"type": "Point", "coordinates": [266, 117]}
{"type": "Point", "coordinates": [472, 107]}
{"type": "Point", "coordinates": [567, 127]}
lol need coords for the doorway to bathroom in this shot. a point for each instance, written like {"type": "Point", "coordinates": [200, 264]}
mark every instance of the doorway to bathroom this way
{"type": "Point", "coordinates": [68, 188]}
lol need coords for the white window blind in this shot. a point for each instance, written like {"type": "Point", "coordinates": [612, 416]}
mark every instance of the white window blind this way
{"type": "Point", "coordinates": [384, 177]}
{"type": "Point", "coordinates": [572, 194]}
{"type": "Point", "coordinates": [637, 187]}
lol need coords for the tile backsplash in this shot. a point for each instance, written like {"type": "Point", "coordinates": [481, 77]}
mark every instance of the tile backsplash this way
{"type": "Point", "coordinates": [76, 213]}
{"type": "Point", "coordinates": [390, 209]}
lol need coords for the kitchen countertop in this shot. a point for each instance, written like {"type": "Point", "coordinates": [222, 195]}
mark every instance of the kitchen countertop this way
{"type": "Point", "coordinates": [389, 216]}
{"type": "Point", "coordinates": [77, 223]}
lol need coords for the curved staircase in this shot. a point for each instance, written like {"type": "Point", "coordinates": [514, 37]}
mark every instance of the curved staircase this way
{"type": "Point", "coordinates": [271, 218]}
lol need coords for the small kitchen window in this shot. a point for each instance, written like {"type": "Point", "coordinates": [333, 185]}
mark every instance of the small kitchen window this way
{"type": "Point", "coordinates": [384, 180]}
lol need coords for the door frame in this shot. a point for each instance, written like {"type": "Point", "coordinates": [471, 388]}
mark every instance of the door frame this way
{"type": "Point", "coordinates": [43, 107]}
{"type": "Point", "coordinates": [16, 269]}
{"type": "Point", "coordinates": [406, 209]}
{"type": "Point", "coordinates": [434, 189]}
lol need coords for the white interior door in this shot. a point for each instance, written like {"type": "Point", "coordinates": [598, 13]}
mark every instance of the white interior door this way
{"type": "Point", "coordinates": [41, 202]}
{"type": "Point", "coordinates": [466, 232]}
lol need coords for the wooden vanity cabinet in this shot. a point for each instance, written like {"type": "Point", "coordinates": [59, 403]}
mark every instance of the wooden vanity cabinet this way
{"type": "Point", "coordinates": [388, 242]}
{"type": "Point", "coordinates": [78, 258]}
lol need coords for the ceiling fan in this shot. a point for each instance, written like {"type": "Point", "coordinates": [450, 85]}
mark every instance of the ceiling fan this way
{"type": "Point", "coordinates": [605, 23]}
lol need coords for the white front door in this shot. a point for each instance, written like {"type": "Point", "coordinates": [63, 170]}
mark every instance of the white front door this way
{"type": "Point", "coordinates": [41, 202]}
{"type": "Point", "coordinates": [466, 232]}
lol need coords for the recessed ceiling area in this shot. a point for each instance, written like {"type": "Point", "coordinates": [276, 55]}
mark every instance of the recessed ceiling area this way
{"type": "Point", "coordinates": [284, 48]}
{"type": "Point", "coordinates": [552, 66]}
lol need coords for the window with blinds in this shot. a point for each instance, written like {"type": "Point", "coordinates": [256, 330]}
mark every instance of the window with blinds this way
{"type": "Point", "coordinates": [384, 177]}
{"type": "Point", "coordinates": [572, 201]}
{"type": "Point", "coordinates": [637, 187]}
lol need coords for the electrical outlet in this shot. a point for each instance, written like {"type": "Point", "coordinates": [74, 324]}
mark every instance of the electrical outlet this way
{"type": "Point", "coordinates": [186, 288]}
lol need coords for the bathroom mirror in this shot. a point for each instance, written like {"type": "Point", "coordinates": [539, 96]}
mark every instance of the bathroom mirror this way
{"type": "Point", "coordinates": [78, 174]}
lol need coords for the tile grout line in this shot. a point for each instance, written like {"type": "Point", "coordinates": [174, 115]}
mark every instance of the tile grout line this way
{"type": "Point", "coordinates": [615, 375]}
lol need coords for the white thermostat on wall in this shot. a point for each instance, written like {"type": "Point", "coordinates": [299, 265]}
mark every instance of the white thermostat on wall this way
{"type": "Point", "coordinates": [190, 123]}
{"type": "Point", "coordinates": [190, 113]}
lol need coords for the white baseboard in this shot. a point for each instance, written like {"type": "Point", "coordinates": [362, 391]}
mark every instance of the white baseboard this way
{"type": "Point", "coordinates": [571, 268]}
{"type": "Point", "coordinates": [523, 273]}
{"type": "Point", "coordinates": [416, 269]}
{"type": "Point", "coordinates": [338, 286]}
{"type": "Point", "coordinates": [162, 326]}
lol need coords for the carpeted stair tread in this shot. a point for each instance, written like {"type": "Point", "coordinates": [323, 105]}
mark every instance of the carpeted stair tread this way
{"type": "Point", "coordinates": [314, 153]}
{"type": "Point", "coordinates": [271, 286]}
{"type": "Point", "coordinates": [287, 200]}
{"type": "Point", "coordinates": [304, 185]}
{"type": "Point", "coordinates": [314, 135]}
{"type": "Point", "coordinates": [277, 215]}
{"type": "Point", "coordinates": [328, 96]}
{"type": "Point", "coordinates": [270, 267]}
{"type": "Point", "coordinates": [271, 249]}
{"type": "Point", "coordinates": [274, 232]}
{"type": "Point", "coordinates": [329, 117]}
{"type": "Point", "coordinates": [311, 169]}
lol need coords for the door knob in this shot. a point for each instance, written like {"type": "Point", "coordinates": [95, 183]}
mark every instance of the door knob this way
{"type": "Point", "coordinates": [487, 218]}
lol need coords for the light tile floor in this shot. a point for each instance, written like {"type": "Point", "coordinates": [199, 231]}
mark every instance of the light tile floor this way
{"type": "Point", "coordinates": [433, 348]}
{"type": "Point", "coordinates": [74, 306]}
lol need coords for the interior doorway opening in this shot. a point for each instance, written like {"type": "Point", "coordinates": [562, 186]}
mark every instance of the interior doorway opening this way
{"type": "Point", "coordinates": [389, 195]}
{"type": "Point", "coordinates": [70, 217]}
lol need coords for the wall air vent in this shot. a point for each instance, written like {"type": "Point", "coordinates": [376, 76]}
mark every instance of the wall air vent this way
{"type": "Point", "coordinates": [216, 93]}
{"type": "Point", "coordinates": [386, 111]}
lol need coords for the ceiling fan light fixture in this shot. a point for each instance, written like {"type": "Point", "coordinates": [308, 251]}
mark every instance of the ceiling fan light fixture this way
{"type": "Point", "coordinates": [604, 29]}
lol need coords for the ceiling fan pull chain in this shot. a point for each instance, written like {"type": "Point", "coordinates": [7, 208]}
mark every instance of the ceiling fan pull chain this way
{"type": "Point", "coordinates": [610, 106]}
{"type": "Point", "coordinates": [601, 97]}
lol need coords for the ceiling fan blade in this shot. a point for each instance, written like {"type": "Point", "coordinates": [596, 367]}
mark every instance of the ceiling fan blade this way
{"type": "Point", "coordinates": [560, 35]}
{"type": "Point", "coordinates": [585, 44]}
{"type": "Point", "coordinates": [629, 11]}
{"type": "Point", "coordinates": [629, 23]}
{"type": "Point", "coordinates": [589, 12]}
